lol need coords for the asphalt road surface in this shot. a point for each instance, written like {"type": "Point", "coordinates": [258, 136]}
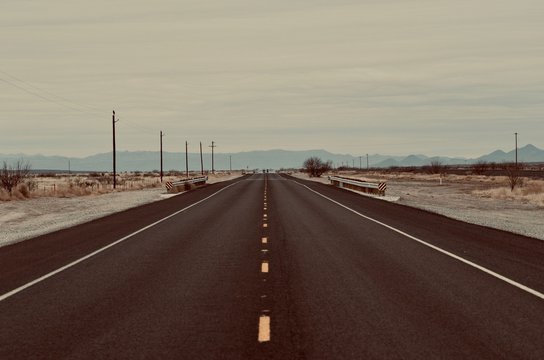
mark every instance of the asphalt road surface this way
{"type": "Point", "coordinates": [271, 267]}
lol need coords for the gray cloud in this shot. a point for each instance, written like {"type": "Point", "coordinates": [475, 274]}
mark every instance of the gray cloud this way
{"type": "Point", "coordinates": [398, 76]}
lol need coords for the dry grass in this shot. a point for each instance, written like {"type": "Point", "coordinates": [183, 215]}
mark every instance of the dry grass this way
{"type": "Point", "coordinates": [431, 178]}
{"type": "Point", "coordinates": [62, 186]}
{"type": "Point", "coordinates": [4, 195]}
{"type": "Point", "coordinates": [531, 192]}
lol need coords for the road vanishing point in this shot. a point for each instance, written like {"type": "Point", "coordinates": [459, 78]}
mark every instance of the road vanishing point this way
{"type": "Point", "coordinates": [272, 267]}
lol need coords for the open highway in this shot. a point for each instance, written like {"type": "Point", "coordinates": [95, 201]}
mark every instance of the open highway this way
{"type": "Point", "coordinates": [272, 267]}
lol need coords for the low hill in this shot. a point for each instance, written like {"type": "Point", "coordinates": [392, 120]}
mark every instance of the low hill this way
{"type": "Point", "coordinates": [267, 159]}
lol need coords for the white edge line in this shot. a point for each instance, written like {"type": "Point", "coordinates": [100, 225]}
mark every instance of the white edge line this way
{"type": "Point", "coordinates": [470, 263]}
{"type": "Point", "coordinates": [65, 267]}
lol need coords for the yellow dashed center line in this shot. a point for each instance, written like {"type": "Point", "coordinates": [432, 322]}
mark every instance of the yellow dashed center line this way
{"type": "Point", "coordinates": [264, 328]}
{"type": "Point", "coordinates": [264, 319]}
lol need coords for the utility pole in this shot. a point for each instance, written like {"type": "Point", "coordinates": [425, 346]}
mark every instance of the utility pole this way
{"type": "Point", "coordinates": [161, 154]}
{"type": "Point", "coordinates": [201, 161]}
{"type": "Point", "coordinates": [353, 163]}
{"type": "Point", "coordinates": [186, 161]}
{"type": "Point", "coordinates": [213, 146]}
{"type": "Point", "coordinates": [367, 161]}
{"type": "Point", "coordinates": [516, 150]}
{"type": "Point", "coordinates": [230, 162]}
{"type": "Point", "coordinates": [113, 121]}
{"type": "Point", "coordinates": [360, 163]}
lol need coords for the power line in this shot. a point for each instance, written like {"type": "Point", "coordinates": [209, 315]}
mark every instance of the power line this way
{"type": "Point", "coordinates": [62, 101]}
{"type": "Point", "coordinates": [37, 95]}
{"type": "Point", "coordinates": [138, 127]}
{"type": "Point", "coordinates": [48, 99]}
{"type": "Point", "coordinates": [88, 107]}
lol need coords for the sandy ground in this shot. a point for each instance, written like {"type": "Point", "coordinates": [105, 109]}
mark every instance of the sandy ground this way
{"type": "Point", "coordinates": [455, 198]}
{"type": "Point", "coordinates": [24, 219]}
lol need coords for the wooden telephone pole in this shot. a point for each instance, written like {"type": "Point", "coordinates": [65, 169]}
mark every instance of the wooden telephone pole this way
{"type": "Point", "coordinates": [201, 161]}
{"type": "Point", "coordinates": [186, 160]}
{"type": "Point", "coordinates": [161, 155]}
{"type": "Point", "coordinates": [213, 146]}
{"type": "Point", "coordinates": [113, 121]}
{"type": "Point", "coordinates": [516, 134]}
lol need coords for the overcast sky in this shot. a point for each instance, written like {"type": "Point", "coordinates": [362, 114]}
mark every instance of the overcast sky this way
{"type": "Point", "coordinates": [435, 77]}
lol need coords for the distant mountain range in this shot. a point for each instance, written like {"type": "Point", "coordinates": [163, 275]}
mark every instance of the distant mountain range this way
{"type": "Point", "coordinates": [272, 159]}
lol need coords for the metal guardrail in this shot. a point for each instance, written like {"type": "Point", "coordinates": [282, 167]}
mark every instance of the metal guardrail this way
{"type": "Point", "coordinates": [196, 181]}
{"type": "Point", "coordinates": [359, 185]}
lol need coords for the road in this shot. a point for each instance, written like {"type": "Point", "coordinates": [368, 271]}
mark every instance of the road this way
{"type": "Point", "coordinates": [271, 267]}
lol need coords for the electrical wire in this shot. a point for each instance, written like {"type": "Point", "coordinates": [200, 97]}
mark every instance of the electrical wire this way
{"type": "Point", "coordinates": [88, 107]}
{"type": "Point", "coordinates": [62, 101]}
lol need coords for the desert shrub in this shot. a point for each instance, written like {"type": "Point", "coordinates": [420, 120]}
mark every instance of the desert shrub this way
{"type": "Point", "coordinates": [13, 175]}
{"type": "Point", "coordinates": [513, 175]}
{"type": "Point", "coordinates": [480, 167]}
{"type": "Point", "coordinates": [23, 190]}
{"type": "Point", "coordinates": [75, 182]}
{"type": "Point", "coordinates": [436, 167]}
{"type": "Point", "coordinates": [32, 185]}
{"type": "Point", "coordinates": [4, 195]}
{"type": "Point", "coordinates": [315, 167]}
{"type": "Point", "coordinates": [17, 195]}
